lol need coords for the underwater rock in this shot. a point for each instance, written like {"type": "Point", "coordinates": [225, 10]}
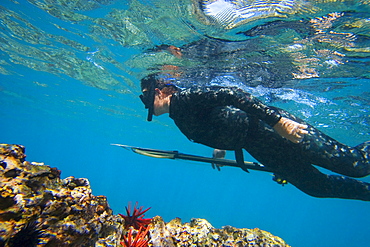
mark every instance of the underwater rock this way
{"type": "Point", "coordinates": [38, 208]}
{"type": "Point", "coordinates": [199, 232]}
{"type": "Point", "coordinates": [62, 212]}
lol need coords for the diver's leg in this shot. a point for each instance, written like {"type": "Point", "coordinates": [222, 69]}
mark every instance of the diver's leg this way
{"type": "Point", "coordinates": [312, 182]}
{"type": "Point", "coordinates": [324, 151]}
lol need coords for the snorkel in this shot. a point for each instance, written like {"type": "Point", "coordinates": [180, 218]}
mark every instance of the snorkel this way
{"type": "Point", "coordinates": [148, 83]}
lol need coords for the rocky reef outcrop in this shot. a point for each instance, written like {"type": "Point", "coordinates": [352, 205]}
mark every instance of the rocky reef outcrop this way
{"type": "Point", "coordinates": [199, 232]}
{"type": "Point", "coordinates": [34, 199]}
{"type": "Point", "coordinates": [38, 208]}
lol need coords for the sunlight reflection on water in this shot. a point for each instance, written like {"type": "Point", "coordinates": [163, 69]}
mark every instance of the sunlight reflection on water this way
{"type": "Point", "coordinates": [281, 46]}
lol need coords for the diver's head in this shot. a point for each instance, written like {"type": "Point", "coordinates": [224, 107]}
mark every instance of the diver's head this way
{"type": "Point", "coordinates": [151, 86]}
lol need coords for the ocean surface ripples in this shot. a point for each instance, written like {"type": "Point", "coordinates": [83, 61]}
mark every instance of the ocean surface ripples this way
{"type": "Point", "coordinates": [314, 54]}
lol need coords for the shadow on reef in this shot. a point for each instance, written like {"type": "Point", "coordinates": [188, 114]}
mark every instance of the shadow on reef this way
{"type": "Point", "coordinates": [38, 208]}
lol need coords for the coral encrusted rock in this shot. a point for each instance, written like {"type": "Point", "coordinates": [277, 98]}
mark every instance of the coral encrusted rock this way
{"type": "Point", "coordinates": [199, 232]}
{"type": "Point", "coordinates": [38, 208]}
{"type": "Point", "coordinates": [62, 212]}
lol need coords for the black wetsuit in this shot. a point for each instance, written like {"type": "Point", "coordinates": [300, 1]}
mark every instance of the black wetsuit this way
{"type": "Point", "coordinates": [229, 118]}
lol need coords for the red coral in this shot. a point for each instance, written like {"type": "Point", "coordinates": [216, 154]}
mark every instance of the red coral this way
{"type": "Point", "coordinates": [140, 239]}
{"type": "Point", "coordinates": [136, 219]}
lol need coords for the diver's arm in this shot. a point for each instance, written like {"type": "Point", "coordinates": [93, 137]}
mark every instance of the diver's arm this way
{"type": "Point", "coordinates": [285, 127]}
{"type": "Point", "coordinates": [224, 96]}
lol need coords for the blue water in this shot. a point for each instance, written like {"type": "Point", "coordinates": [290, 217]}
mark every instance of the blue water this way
{"type": "Point", "coordinates": [68, 101]}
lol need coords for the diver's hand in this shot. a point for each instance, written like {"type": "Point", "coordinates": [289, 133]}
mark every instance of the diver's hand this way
{"type": "Point", "coordinates": [218, 154]}
{"type": "Point", "coordinates": [291, 130]}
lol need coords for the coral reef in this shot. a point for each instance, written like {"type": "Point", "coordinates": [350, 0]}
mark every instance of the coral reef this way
{"type": "Point", "coordinates": [199, 232]}
{"type": "Point", "coordinates": [38, 208]}
{"type": "Point", "coordinates": [63, 209]}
